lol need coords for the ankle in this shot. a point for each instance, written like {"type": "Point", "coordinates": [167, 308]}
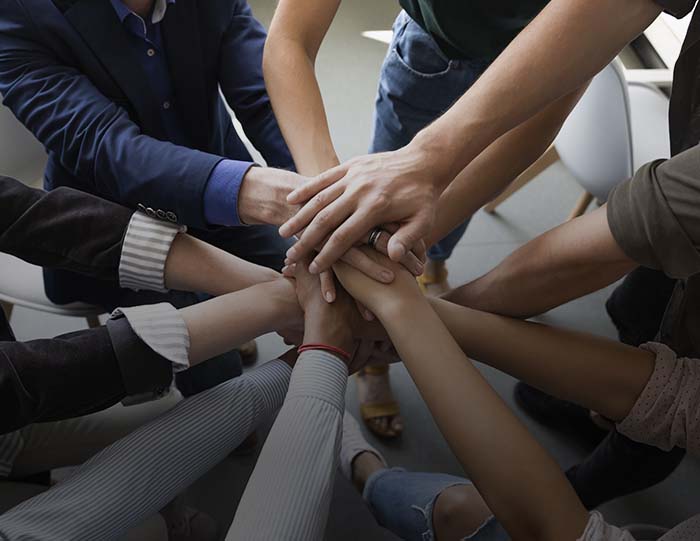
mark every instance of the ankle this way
{"type": "Point", "coordinates": [363, 466]}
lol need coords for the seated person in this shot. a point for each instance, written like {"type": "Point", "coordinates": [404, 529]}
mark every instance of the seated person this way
{"type": "Point", "coordinates": [145, 469]}
{"type": "Point", "coordinates": [45, 425]}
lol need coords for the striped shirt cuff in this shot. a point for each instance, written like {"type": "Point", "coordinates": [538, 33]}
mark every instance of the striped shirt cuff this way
{"type": "Point", "coordinates": [320, 375]}
{"type": "Point", "coordinates": [272, 381]}
{"type": "Point", "coordinates": [161, 328]}
{"type": "Point", "coordinates": [146, 246]}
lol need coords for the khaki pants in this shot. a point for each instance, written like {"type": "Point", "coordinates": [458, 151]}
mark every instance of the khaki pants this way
{"type": "Point", "coordinates": [71, 442]}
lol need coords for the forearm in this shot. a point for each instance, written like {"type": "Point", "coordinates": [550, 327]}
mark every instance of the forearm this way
{"type": "Point", "coordinates": [298, 105]}
{"type": "Point", "coordinates": [501, 163]}
{"type": "Point", "coordinates": [175, 450]}
{"type": "Point", "coordinates": [194, 265]}
{"type": "Point", "coordinates": [572, 260]}
{"type": "Point", "coordinates": [220, 324]}
{"type": "Point", "coordinates": [568, 43]}
{"type": "Point", "coordinates": [302, 450]}
{"type": "Point", "coordinates": [598, 373]}
{"type": "Point", "coordinates": [532, 502]}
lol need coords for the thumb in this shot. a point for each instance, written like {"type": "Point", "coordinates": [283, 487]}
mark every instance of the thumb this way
{"type": "Point", "coordinates": [407, 236]}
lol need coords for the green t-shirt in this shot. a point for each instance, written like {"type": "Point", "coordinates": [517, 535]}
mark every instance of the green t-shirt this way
{"type": "Point", "coordinates": [473, 29]}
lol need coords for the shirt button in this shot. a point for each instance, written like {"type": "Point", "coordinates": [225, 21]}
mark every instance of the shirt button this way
{"type": "Point", "coordinates": [151, 52]}
{"type": "Point", "coordinates": [166, 105]}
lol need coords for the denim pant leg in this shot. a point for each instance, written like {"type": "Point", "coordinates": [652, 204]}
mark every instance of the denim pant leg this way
{"type": "Point", "coordinates": [403, 502]}
{"type": "Point", "coordinates": [417, 84]}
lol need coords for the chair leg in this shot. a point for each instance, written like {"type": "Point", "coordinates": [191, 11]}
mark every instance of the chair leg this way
{"type": "Point", "coordinates": [93, 321]}
{"type": "Point", "coordinates": [7, 307]}
{"type": "Point", "coordinates": [550, 157]}
{"type": "Point", "coordinates": [581, 206]}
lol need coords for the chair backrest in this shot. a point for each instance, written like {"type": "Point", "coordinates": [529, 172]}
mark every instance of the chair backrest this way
{"type": "Point", "coordinates": [21, 155]}
{"type": "Point", "coordinates": [595, 142]}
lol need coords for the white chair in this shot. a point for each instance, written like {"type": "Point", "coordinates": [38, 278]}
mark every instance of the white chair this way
{"type": "Point", "coordinates": [616, 127]}
{"type": "Point", "coordinates": [22, 284]}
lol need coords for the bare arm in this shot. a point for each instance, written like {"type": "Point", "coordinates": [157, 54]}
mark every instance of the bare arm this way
{"type": "Point", "coordinates": [194, 265]}
{"type": "Point", "coordinates": [518, 479]}
{"type": "Point", "coordinates": [497, 166]}
{"type": "Point", "coordinates": [296, 33]}
{"type": "Point", "coordinates": [568, 43]}
{"type": "Point", "coordinates": [572, 260]}
{"type": "Point", "coordinates": [220, 324]}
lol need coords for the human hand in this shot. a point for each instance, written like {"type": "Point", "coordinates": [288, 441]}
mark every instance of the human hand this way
{"type": "Point", "coordinates": [324, 323]}
{"type": "Point", "coordinates": [262, 198]}
{"type": "Point", "coordinates": [377, 297]}
{"type": "Point", "coordinates": [345, 203]}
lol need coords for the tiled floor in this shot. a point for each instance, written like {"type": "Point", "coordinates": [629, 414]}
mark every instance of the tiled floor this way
{"type": "Point", "coordinates": [348, 67]}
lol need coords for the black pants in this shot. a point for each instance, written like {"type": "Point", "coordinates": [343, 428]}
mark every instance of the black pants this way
{"type": "Point", "coordinates": [620, 466]}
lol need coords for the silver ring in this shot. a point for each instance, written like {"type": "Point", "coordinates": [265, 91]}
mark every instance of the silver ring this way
{"type": "Point", "coordinates": [374, 236]}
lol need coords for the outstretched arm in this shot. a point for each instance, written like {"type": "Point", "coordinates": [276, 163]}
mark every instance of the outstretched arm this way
{"type": "Point", "coordinates": [568, 43]}
{"type": "Point", "coordinates": [533, 501]}
{"type": "Point", "coordinates": [565, 263]}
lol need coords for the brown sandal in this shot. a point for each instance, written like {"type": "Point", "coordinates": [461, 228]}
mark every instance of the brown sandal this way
{"type": "Point", "coordinates": [377, 410]}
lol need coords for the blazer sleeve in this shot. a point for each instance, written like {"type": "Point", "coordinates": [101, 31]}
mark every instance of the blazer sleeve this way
{"type": "Point", "coordinates": [76, 374]}
{"type": "Point", "coordinates": [93, 137]}
{"type": "Point", "coordinates": [65, 228]}
{"type": "Point", "coordinates": [243, 85]}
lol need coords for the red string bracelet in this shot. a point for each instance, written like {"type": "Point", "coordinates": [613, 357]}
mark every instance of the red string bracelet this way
{"type": "Point", "coordinates": [323, 347]}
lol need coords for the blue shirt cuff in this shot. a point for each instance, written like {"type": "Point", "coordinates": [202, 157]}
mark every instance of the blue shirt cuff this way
{"type": "Point", "coordinates": [221, 193]}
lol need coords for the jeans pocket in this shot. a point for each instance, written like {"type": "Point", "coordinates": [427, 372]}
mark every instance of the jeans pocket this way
{"type": "Point", "coordinates": [417, 52]}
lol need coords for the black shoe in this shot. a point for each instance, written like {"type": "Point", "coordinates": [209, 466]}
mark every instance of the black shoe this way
{"type": "Point", "coordinates": [558, 414]}
{"type": "Point", "coordinates": [620, 466]}
{"type": "Point", "coordinates": [638, 304]}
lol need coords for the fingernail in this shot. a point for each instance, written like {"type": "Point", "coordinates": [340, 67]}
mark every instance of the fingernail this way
{"type": "Point", "coordinates": [369, 316]}
{"type": "Point", "coordinates": [290, 254]}
{"type": "Point", "coordinates": [283, 231]}
{"type": "Point", "coordinates": [401, 248]}
{"type": "Point", "coordinates": [387, 276]}
{"type": "Point", "coordinates": [419, 269]}
{"type": "Point", "coordinates": [285, 269]}
{"type": "Point", "coordinates": [313, 268]}
{"type": "Point", "coordinates": [329, 297]}
{"type": "Point", "coordinates": [291, 197]}
{"type": "Point", "coordinates": [287, 261]}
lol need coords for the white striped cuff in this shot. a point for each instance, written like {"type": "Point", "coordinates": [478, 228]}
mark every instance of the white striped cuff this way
{"type": "Point", "coordinates": [321, 375]}
{"type": "Point", "coordinates": [146, 246]}
{"type": "Point", "coordinates": [162, 328]}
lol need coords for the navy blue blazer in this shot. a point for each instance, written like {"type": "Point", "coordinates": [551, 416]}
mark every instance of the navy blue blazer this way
{"type": "Point", "coordinates": [67, 73]}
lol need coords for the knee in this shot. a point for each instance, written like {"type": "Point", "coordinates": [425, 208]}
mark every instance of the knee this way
{"type": "Point", "coordinates": [459, 511]}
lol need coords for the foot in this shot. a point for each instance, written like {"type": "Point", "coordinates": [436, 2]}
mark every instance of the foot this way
{"type": "Point", "coordinates": [249, 353]}
{"type": "Point", "coordinates": [358, 459]}
{"type": "Point", "coordinates": [433, 281]}
{"type": "Point", "coordinates": [380, 411]}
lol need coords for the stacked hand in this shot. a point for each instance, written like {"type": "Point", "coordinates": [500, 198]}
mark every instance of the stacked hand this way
{"type": "Point", "coordinates": [343, 205]}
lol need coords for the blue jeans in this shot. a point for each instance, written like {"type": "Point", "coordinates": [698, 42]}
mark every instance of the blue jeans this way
{"type": "Point", "coordinates": [403, 503]}
{"type": "Point", "coordinates": [417, 84]}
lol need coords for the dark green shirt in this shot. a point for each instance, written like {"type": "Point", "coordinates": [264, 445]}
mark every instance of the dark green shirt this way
{"type": "Point", "coordinates": [473, 29]}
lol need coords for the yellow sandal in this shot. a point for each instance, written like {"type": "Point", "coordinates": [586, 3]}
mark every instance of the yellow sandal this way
{"type": "Point", "coordinates": [376, 410]}
{"type": "Point", "coordinates": [429, 279]}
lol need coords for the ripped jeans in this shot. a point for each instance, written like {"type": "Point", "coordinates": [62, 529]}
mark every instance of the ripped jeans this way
{"type": "Point", "coordinates": [403, 502]}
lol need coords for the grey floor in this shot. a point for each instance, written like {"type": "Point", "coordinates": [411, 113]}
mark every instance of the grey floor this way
{"type": "Point", "coordinates": [347, 68]}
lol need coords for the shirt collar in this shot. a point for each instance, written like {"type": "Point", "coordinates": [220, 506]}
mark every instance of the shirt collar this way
{"type": "Point", "coordinates": [159, 10]}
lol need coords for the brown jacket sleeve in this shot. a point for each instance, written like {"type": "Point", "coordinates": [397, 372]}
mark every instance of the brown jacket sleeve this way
{"type": "Point", "coordinates": [64, 228]}
{"type": "Point", "coordinates": [654, 216]}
